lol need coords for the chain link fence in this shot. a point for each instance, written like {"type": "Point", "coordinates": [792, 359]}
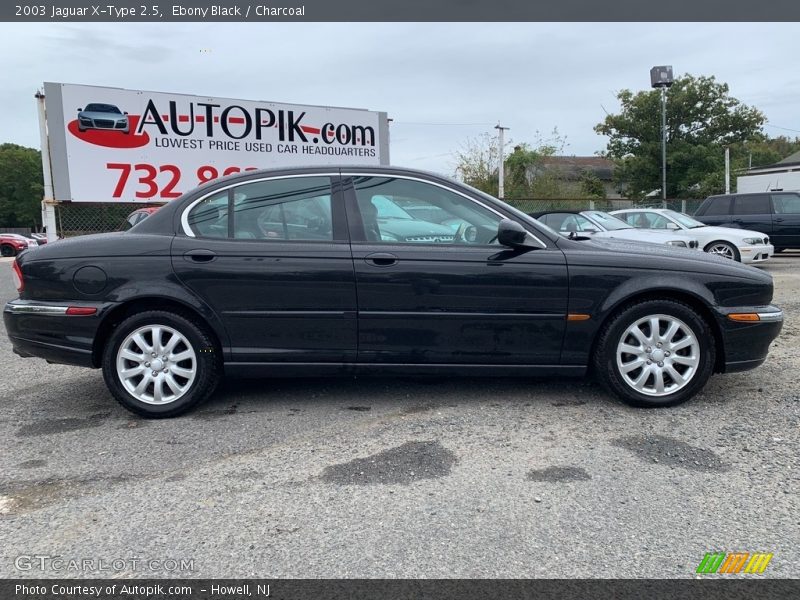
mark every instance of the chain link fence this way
{"type": "Point", "coordinates": [81, 218]}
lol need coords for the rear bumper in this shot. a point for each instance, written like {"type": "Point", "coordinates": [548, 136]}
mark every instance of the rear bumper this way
{"type": "Point", "coordinates": [746, 344]}
{"type": "Point", "coordinates": [44, 330]}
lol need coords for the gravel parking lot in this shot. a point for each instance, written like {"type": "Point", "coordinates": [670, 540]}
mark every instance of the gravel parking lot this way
{"type": "Point", "coordinates": [403, 478]}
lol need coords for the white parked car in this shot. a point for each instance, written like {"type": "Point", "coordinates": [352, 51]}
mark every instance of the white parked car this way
{"type": "Point", "coordinates": [596, 223]}
{"type": "Point", "coordinates": [737, 244]}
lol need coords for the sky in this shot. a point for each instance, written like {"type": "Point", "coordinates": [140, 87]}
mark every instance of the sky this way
{"type": "Point", "coordinates": [441, 83]}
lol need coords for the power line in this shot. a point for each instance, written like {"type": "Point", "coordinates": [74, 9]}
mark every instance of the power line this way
{"type": "Point", "coordinates": [444, 124]}
{"type": "Point", "coordinates": [784, 128]}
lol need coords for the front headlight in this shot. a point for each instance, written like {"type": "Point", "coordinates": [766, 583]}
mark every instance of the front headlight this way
{"type": "Point", "coordinates": [679, 243]}
{"type": "Point", "coordinates": [751, 241]}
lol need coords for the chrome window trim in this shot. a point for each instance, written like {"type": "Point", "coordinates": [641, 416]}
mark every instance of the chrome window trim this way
{"type": "Point", "coordinates": [185, 214]}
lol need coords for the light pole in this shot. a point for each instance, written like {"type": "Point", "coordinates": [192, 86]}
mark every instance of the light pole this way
{"type": "Point", "coordinates": [661, 77]}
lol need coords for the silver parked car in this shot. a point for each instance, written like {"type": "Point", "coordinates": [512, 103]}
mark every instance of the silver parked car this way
{"type": "Point", "coordinates": [737, 244]}
{"type": "Point", "coordinates": [596, 223]}
{"type": "Point", "coordinates": [102, 116]}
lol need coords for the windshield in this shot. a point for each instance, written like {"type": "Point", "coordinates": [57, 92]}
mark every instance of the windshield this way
{"type": "Point", "coordinates": [107, 108]}
{"type": "Point", "coordinates": [683, 219]}
{"type": "Point", "coordinates": [608, 222]}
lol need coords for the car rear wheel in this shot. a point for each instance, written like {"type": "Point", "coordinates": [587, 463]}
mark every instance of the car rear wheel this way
{"type": "Point", "coordinates": [7, 250]}
{"type": "Point", "coordinates": [160, 364]}
{"type": "Point", "coordinates": [655, 353]}
{"type": "Point", "coordinates": [724, 249]}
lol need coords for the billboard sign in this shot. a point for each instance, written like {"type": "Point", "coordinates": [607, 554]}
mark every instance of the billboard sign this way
{"type": "Point", "coordinates": [118, 145]}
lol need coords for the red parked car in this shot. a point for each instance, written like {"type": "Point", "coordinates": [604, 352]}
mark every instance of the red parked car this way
{"type": "Point", "coordinates": [137, 216]}
{"type": "Point", "coordinates": [12, 244]}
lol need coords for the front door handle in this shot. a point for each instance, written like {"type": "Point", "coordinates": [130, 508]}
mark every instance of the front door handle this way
{"type": "Point", "coordinates": [779, 220]}
{"type": "Point", "coordinates": [200, 255]}
{"type": "Point", "coordinates": [381, 259]}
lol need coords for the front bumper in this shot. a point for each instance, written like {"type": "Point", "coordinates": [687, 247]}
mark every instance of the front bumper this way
{"type": "Point", "coordinates": [746, 343]}
{"type": "Point", "coordinates": [756, 254]}
{"type": "Point", "coordinates": [44, 330]}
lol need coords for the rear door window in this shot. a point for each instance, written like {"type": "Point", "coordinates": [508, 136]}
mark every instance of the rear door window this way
{"type": "Point", "coordinates": [786, 204]}
{"type": "Point", "coordinates": [718, 206]}
{"type": "Point", "coordinates": [751, 205]}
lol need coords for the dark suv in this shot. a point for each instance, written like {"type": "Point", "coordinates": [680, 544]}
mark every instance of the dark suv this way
{"type": "Point", "coordinates": [776, 214]}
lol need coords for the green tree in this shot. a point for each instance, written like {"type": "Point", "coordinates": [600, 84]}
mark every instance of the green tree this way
{"type": "Point", "coordinates": [591, 185]}
{"type": "Point", "coordinates": [702, 118]}
{"type": "Point", "coordinates": [476, 163]}
{"type": "Point", "coordinates": [21, 186]}
{"type": "Point", "coordinates": [478, 159]}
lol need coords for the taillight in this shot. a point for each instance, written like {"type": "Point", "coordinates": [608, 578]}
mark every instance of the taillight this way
{"type": "Point", "coordinates": [19, 281]}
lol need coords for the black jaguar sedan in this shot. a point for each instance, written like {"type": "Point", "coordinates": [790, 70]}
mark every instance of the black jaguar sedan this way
{"type": "Point", "coordinates": [298, 272]}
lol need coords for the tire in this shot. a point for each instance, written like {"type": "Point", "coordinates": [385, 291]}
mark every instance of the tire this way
{"type": "Point", "coordinates": [182, 383]}
{"type": "Point", "coordinates": [694, 361]}
{"type": "Point", "coordinates": [724, 249]}
{"type": "Point", "coordinates": [778, 250]}
{"type": "Point", "coordinates": [6, 250]}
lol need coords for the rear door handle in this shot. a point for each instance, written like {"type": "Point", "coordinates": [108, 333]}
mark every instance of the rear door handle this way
{"type": "Point", "coordinates": [779, 220]}
{"type": "Point", "coordinates": [200, 255]}
{"type": "Point", "coordinates": [381, 259]}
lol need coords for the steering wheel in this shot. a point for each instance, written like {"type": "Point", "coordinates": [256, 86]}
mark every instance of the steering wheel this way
{"type": "Point", "coordinates": [466, 233]}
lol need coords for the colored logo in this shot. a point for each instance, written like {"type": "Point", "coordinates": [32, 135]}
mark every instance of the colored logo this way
{"type": "Point", "coordinates": [734, 562]}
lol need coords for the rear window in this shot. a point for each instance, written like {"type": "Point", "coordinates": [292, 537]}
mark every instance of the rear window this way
{"type": "Point", "coordinates": [716, 206]}
{"type": "Point", "coordinates": [752, 205]}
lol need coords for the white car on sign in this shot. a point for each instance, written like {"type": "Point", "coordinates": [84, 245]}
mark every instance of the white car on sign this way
{"type": "Point", "coordinates": [737, 244]}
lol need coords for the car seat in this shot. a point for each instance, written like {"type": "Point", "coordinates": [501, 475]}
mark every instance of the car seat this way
{"type": "Point", "coordinates": [369, 217]}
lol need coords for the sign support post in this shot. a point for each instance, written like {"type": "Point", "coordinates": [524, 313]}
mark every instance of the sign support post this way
{"type": "Point", "coordinates": [48, 202]}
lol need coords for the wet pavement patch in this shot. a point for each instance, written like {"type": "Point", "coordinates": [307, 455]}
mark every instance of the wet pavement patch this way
{"type": "Point", "coordinates": [216, 413]}
{"type": "Point", "coordinates": [359, 408]}
{"type": "Point", "coordinates": [669, 451]}
{"type": "Point", "coordinates": [52, 426]}
{"type": "Point", "coordinates": [32, 464]}
{"type": "Point", "coordinates": [27, 495]}
{"type": "Point", "coordinates": [402, 465]}
{"type": "Point", "coordinates": [558, 474]}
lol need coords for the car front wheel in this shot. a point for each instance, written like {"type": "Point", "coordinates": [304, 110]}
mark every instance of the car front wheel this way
{"type": "Point", "coordinates": [723, 249]}
{"type": "Point", "coordinates": [160, 364]}
{"type": "Point", "coordinates": [7, 250]}
{"type": "Point", "coordinates": [655, 353]}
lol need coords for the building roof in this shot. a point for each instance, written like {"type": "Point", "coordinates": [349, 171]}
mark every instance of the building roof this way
{"type": "Point", "coordinates": [792, 159]}
{"type": "Point", "coordinates": [790, 163]}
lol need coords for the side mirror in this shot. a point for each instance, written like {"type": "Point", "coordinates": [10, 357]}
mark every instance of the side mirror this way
{"type": "Point", "coordinates": [590, 230]}
{"type": "Point", "coordinates": [125, 113]}
{"type": "Point", "coordinates": [672, 226]}
{"type": "Point", "coordinates": [513, 235]}
{"type": "Point", "coordinates": [80, 110]}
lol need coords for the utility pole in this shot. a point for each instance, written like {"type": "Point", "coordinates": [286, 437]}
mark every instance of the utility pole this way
{"type": "Point", "coordinates": [727, 170]}
{"type": "Point", "coordinates": [501, 169]}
